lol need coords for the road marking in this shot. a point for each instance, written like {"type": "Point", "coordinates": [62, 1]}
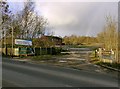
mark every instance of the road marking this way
{"type": "Point", "coordinates": [97, 70]}
{"type": "Point", "coordinates": [68, 86]}
{"type": "Point", "coordinates": [62, 61]}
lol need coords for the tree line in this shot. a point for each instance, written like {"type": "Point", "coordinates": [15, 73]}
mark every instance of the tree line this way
{"type": "Point", "coordinates": [79, 40]}
{"type": "Point", "coordinates": [107, 38]}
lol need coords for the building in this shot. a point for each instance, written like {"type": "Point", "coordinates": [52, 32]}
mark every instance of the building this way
{"type": "Point", "coordinates": [51, 41]}
{"type": "Point", "coordinates": [56, 40]}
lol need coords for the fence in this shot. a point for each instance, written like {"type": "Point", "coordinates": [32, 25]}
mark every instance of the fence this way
{"type": "Point", "coordinates": [30, 51]}
{"type": "Point", "coordinates": [106, 56]}
{"type": "Point", "coordinates": [45, 51]}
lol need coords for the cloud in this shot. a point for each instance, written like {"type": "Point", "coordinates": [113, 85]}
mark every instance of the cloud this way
{"type": "Point", "coordinates": [79, 18]}
{"type": "Point", "coordinates": [66, 0]}
{"type": "Point", "coordinates": [61, 13]}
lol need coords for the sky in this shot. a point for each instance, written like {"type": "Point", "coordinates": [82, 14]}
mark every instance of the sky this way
{"type": "Point", "coordinates": [73, 17]}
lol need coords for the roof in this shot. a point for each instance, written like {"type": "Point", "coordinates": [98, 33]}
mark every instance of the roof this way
{"type": "Point", "coordinates": [54, 37]}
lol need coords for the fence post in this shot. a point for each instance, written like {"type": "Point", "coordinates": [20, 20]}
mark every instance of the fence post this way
{"type": "Point", "coordinates": [46, 50]}
{"type": "Point", "coordinates": [51, 50]}
{"type": "Point", "coordinates": [5, 50]}
{"type": "Point", "coordinates": [19, 51]}
{"type": "Point", "coordinates": [34, 51]}
{"type": "Point", "coordinates": [26, 51]}
{"type": "Point", "coordinates": [100, 54]}
{"type": "Point", "coordinates": [95, 53]}
{"type": "Point", "coordinates": [40, 50]}
{"type": "Point", "coordinates": [112, 56]}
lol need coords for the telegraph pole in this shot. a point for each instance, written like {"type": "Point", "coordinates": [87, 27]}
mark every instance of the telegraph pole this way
{"type": "Point", "coordinates": [12, 41]}
{"type": "Point", "coordinates": [5, 43]}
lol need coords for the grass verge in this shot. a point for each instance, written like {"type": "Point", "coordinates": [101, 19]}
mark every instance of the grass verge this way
{"type": "Point", "coordinates": [113, 65]}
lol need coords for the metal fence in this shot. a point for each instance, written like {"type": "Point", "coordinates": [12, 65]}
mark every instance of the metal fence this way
{"type": "Point", "coordinates": [25, 51]}
{"type": "Point", "coordinates": [46, 51]}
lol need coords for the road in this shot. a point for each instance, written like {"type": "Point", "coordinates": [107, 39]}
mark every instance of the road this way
{"type": "Point", "coordinates": [24, 74]}
{"type": "Point", "coordinates": [0, 70]}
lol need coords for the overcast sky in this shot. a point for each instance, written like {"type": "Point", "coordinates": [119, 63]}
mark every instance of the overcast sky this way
{"type": "Point", "coordinates": [78, 18]}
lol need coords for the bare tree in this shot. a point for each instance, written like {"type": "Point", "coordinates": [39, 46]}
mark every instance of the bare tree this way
{"type": "Point", "coordinates": [27, 24]}
{"type": "Point", "coordinates": [109, 36]}
{"type": "Point", "coordinates": [5, 14]}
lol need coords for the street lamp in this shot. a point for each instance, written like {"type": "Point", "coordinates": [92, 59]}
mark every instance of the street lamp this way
{"type": "Point", "coordinates": [12, 41]}
{"type": "Point", "coordinates": [12, 35]}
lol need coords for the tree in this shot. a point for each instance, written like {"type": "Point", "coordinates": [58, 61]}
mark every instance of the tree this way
{"type": "Point", "coordinates": [27, 24]}
{"type": "Point", "coordinates": [109, 36]}
{"type": "Point", "coordinates": [66, 40]}
{"type": "Point", "coordinates": [26, 19]}
{"type": "Point", "coordinates": [78, 40]}
{"type": "Point", "coordinates": [4, 12]}
{"type": "Point", "coordinates": [5, 19]}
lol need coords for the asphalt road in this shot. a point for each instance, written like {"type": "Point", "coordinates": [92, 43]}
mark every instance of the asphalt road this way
{"type": "Point", "coordinates": [23, 74]}
{"type": "Point", "coordinates": [0, 70]}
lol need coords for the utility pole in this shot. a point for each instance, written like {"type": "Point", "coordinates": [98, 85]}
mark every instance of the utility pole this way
{"type": "Point", "coordinates": [12, 41]}
{"type": "Point", "coordinates": [5, 43]}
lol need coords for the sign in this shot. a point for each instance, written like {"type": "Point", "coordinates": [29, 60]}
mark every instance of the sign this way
{"type": "Point", "coordinates": [23, 42]}
{"type": "Point", "coordinates": [17, 51]}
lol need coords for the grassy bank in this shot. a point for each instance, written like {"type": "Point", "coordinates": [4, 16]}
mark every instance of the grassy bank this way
{"type": "Point", "coordinates": [113, 65]}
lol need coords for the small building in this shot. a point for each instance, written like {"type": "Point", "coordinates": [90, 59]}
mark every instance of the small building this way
{"type": "Point", "coordinates": [55, 39]}
{"type": "Point", "coordinates": [51, 41]}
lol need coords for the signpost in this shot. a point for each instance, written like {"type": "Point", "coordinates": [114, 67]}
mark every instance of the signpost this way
{"type": "Point", "coordinates": [24, 51]}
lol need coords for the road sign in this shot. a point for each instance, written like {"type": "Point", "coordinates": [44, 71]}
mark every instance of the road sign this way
{"type": "Point", "coordinates": [23, 42]}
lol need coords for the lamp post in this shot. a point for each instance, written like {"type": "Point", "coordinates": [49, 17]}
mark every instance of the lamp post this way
{"type": "Point", "coordinates": [12, 41]}
{"type": "Point", "coordinates": [5, 43]}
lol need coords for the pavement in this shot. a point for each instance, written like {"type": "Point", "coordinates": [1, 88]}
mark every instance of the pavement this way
{"type": "Point", "coordinates": [28, 74]}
